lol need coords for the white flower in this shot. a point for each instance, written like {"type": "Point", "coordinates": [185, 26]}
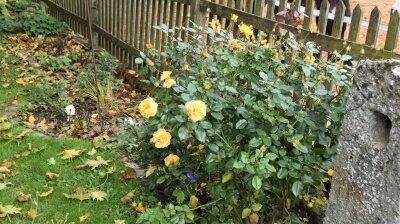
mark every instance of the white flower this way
{"type": "Point", "coordinates": [70, 110]}
{"type": "Point", "coordinates": [130, 121]}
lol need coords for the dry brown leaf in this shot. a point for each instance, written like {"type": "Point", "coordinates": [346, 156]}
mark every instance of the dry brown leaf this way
{"type": "Point", "coordinates": [52, 175]}
{"type": "Point", "coordinates": [128, 197]}
{"type": "Point", "coordinates": [8, 163]}
{"type": "Point", "coordinates": [21, 197]}
{"type": "Point", "coordinates": [4, 169]}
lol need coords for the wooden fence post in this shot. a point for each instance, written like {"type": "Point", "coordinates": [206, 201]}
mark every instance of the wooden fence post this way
{"type": "Point", "coordinates": [196, 14]}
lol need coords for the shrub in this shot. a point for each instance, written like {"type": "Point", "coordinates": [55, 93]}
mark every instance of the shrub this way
{"type": "Point", "coordinates": [269, 132]}
{"type": "Point", "coordinates": [26, 16]}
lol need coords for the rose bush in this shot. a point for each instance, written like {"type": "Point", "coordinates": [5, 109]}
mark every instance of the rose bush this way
{"type": "Point", "coordinates": [248, 129]}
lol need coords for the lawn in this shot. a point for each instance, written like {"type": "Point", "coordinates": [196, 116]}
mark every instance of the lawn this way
{"type": "Point", "coordinates": [36, 155]}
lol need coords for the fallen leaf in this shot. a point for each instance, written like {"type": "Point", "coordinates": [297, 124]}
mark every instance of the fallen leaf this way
{"type": "Point", "coordinates": [5, 126]}
{"type": "Point", "coordinates": [32, 119]}
{"type": "Point", "coordinates": [47, 193]}
{"type": "Point", "coordinates": [98, 195]}
{"type": "Point", "coordinates": [8, 210]}
{"type": "Point", "coordinates": [70, 153]}
{"type": "Point", "coordinates": [84, 217]}
{"type": "Point", "coordinates": [140, 207]}
{"type": "Point", "coordinates": [91, 152]}
{"type": "Point", "coordinates": [9, 163]}
{"type": "Point", "coordinates": [128, 197]}
{"type": "Point", "coordinates": [4, 169]}
{"type": "Point", "coordinates": [52, 175]}
{"type": "Point", "coordinates": [80, 197]}
{"type": "Point", "coordinates": [119, 221]}
{"type": "Point", "coordinates": [112, 113]}
{"type": "Point", "coordinates": [21, 82]}
{"type": "Point", "coordinates": [31, 214]}
{"type": "Point", "coordinates": [3, 186]}
{"type": "Point", "coordinates": [106, 137]}
{"type": "Point", "coordinates": [21, 197]}
{"type": "Point", "coordinates": [22, 135]}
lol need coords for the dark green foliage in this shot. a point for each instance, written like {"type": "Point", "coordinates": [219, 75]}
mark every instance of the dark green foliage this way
{"type": "Point", "coordinates": [28, 17]}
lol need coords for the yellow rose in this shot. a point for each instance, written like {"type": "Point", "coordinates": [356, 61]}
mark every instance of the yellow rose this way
{"type": "Point", "coordinates": [193, 201]}
{"type": "Point", "coordinates": [165, 75]}
{"type": "Point", "coordinates": [234, 18]}
{"type": "Point", "coordinates": [196, 110]}
{"type": "Point", "coordinates": [169, 83]}
{"type": "Point", "coordinates": [161, 138]}
{"type": "Point", "coordinates": [309, 59]}
{"type": "Point", "coordinates": [330, 172]}
{"type": "Point", "coordinates": [246, 30]}
{"type": "Point", "coordinates": [148, 108]}
{"type": "Point", "coordinates": [171, 160]}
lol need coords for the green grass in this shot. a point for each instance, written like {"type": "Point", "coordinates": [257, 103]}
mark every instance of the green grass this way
{"type": "Point", "coordinates": [31, 170]}
{"type": "Point", "coordinates": [55, 208]}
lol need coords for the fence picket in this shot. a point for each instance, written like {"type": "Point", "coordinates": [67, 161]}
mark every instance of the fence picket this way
{"type": "Point", "coordinates": [373, 28]}
{"type": "Point", "coordinates": [392, 37]}
{"type": "Point", "coordinates": [308, 18]}
{"type": "Point", "coordinates": [323, 17]}
{"type": "Point", "coordinates": [355, 24]}
{"type": "Point", "coordinates": [338, 21]}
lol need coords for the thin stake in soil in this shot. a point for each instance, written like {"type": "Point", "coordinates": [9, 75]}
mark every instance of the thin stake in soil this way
{"type": "Point", "coordinates": [91, 44]}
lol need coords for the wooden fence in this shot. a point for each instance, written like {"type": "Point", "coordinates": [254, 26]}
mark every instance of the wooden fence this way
{"type": "Point", "coordinates": [124, 27]}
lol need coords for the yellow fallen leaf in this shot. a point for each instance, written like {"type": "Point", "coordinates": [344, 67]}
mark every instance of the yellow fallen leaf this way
{"type": "Point", "coordinates": [31, 119]}
{"type": "Point", "coordinates": [84, 217]}
{"type": "Point", "coordinates": [119, 221]}
{"type": "Point", "coordinates": [20, 81]}
{"type": "Point", "coordinates": [43, 121]}
{"type": "Point", "coordinates": [91, 152]}
{"type": "Point", "coordinates": [140, 207]}
{"type": "Point", "coordinates": [98, 195]}
{"type": "Point", "coordinates": [70, 154]}
{"type": "Point", "coordinates": [31, 214]}
{"type": "Point", "coordinates": [106, 137]}
{"type": "Point", "coordinates": [47, 193]}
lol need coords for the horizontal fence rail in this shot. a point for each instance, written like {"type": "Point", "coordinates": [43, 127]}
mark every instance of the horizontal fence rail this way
{"type": "Point", "coordinates": [125, 27]}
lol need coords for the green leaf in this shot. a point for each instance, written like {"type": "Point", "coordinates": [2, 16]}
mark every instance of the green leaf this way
{"type": "Point", "coordinates": [256, 207]}
{"type": "Point", "coordinates": [191, 88]}
{"type": "Point", "coordinates": [183, 133]}
{"type": "Point", "coordinates": [282, 173]}
{"type": "Point", "coordinates": [256, 182]}
{"type": "Point", "coordinates": [271, 156]}
{"type": "Point", "coordinates": [138, 61]}
{"type": "Point", "coordinates": [200, 135]}
{"type": "Point", "coordinates": [297, 188]}
{"type": "Point", "coordinates": [245, 213]}
{"type": "Point", "coordinates": [161, 180]}
{"type": "Point", "coordinates": [211, 158]}
{"type": "Point", "coordinates": [217, 115]}
{"type": "Point", "coordinates": [270, 168]}
{"type": "Point", "coordinates": [238, 165]}
{"type": "Point", "coordinates": [241, 124]}
{"type": "Point", "coordinates": [179, 194]}
{"type": "Point", "coordinates": [255, 142]}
